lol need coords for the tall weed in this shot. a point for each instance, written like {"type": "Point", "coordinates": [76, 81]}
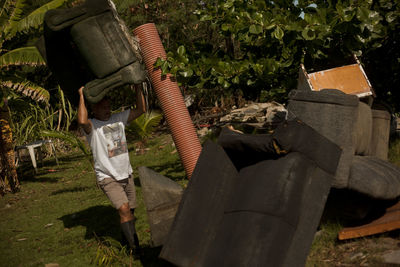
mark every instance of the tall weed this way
{"type": "Point", "coordinates": [28, 123]}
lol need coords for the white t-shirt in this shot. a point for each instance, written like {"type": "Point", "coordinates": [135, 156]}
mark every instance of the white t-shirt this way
{"type": "Point", "coordinates": [110, 151]}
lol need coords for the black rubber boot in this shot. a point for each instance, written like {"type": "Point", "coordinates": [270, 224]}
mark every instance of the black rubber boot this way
{"type": "Point", "coordinates": [129, 231]}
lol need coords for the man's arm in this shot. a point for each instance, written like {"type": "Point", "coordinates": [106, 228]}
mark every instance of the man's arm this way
{"type": "Point", "coordinates": [140, 104]}
{"type": "Point", "coordinates": [83, 120]}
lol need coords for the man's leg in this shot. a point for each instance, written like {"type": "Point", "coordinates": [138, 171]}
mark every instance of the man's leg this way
{"type": "Point", "coordinates": [125, 213]}
{"type": "Point", "coordinates": [115, 191]}
{"type": "Point", "coordinates": [130, 209]}
{"type": "Point", "coordinates": [131, 194]}
{"type": "Point", "coordinates": [128, 227]}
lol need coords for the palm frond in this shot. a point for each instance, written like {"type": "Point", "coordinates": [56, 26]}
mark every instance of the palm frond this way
{"type": "Point", "coordinates": [6, 10]}
{"type": "Point", "coordinates": [29, 89]}
{"type": "Point", "coordinates": [35, 19]}
{"type": "Point", "coordinates": [9, 16]}
{"type": "Point", "coordinates": [17, 10]}
{"type": "Point", "coordinates": [144, 125]}
{"type": "Point", "coordinates": [22, 56]}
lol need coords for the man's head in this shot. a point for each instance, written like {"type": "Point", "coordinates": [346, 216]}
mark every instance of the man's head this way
{"type": "Point", "coordinates": [102, 109]}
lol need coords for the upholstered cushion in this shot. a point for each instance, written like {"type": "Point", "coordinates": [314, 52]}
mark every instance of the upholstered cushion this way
{"type": "Point", "coordinates": [96, 89]}
{"type": "Point", "coordinates": [379, 145]}
{"type": "Point", "coordinates": [89, 45]}
{"type": "Point", "coordinates": [333, 114]}
{"type": "Point", "coordinates": [374, 177]}
{"type": "Point", "coordinates": [363, 129]}
{"type": "Point", "coordinates": [201, 208]}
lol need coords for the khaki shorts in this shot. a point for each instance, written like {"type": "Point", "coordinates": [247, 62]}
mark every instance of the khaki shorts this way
{"type": "Point", "coordinates": [119, 192]}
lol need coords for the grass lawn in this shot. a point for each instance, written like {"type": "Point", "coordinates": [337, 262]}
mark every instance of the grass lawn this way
{"type": "Point", "coordinates": [60, 216]}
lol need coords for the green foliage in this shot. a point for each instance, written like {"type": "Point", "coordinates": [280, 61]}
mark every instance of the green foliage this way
{"type": "Point", "coordinates": [71, 139]}
{"type": "Point", "coordinates": [174, 19]}
{"type": "Point", "coordinates": [27, 88]}
{"type": "Point", "coordinates": [143, 126]}
{"type": "Point", "coordinates": [110, 253]}
{"type": "Point", "coordinates": [35, 19]}
{"type": "Point", "coordinates": [255, 47]}
{"type": "Point", "coordinates": [27, 130]}
{"type": "Point", "coordinates": [10, 13]}
{"type": "Point", "coordinates": [29, 119]}
{"type": "Point", "coordinates": [382, 62]}
{"type": "Point", "coordinates": [13, 23]}
{"type": "Point", "coordinates": [22, 56]}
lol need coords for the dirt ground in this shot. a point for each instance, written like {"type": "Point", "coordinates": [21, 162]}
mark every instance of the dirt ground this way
{"type": "Point", "coordinates": [349, 209]}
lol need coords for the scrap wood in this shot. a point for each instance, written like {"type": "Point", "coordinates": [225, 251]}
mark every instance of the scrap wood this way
{"type": "Point", "coordinates": [388, 222]}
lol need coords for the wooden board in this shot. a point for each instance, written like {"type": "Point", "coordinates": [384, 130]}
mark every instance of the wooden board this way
{"type": "Point", "coordinates": [349, 79]}
{"type": "Point", "coordinates": [388, 222]}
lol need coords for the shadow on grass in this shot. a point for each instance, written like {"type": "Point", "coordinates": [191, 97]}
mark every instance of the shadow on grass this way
{"type": "Point", "coordinates": [27, 173]}
{"type": "Point", "coordinates": [103, 222]}
{"type": "Point", "coordinates": [150, 258]}
{"type": "Point", "coordinates": [71, 190]}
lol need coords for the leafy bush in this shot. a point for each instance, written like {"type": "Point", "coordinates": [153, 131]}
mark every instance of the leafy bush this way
{"type": "Point", "coordinates": [29, 119]}
{"type": "Point", "coordinates": [254, 48]}
{"type": "Point", "coordinates": [143, 126]}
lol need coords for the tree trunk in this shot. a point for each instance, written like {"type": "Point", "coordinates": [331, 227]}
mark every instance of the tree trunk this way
{"type": "Point", "coordinates": [8, 173]}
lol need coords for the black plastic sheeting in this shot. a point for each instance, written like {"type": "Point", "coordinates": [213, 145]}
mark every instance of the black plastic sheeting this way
{"type": "Point", "coordinates": [84, 45]}
{"type": "Point", "coordinates": [262, 212]}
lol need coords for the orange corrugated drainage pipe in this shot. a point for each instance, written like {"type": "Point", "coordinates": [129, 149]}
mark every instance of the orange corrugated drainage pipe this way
{"type": "Point", "coordinates": [170, 97]}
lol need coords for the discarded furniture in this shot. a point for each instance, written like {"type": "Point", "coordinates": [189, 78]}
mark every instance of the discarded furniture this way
{"type": "Point", "coordinates": [349, 123]}
{"type": "Point", "coordinates": [89, 45]}
{"type": "Point", "coordinates": [161, 198]}
{"type": "Point", "coordinates": [36, 146]}
{"type": "Point", "coordinates": [201, 208]}
{"type": "Point", "coordinates": [363, 135]}
{"type": "Point", "coordinates": [350, 79]}
{"type": "Point", "coordinates": [253, 199]}
{"type": "Point", "coordinates": [379, 146]}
